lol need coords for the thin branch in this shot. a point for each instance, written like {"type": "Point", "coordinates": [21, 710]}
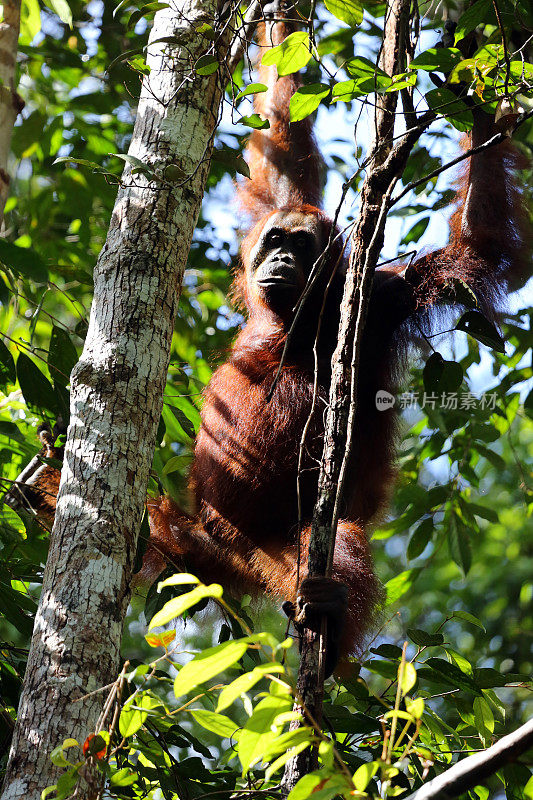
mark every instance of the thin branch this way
{"type": "Point", "coordinates": [474, 770]}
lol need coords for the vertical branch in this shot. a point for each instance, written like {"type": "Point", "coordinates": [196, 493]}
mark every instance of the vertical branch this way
{"type": "Point", "coordinates": [385, 168]}
{"type": "Point", "coordinates": [10, 102]}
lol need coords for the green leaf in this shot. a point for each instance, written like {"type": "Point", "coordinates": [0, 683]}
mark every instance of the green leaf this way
{"type": "Point", "coordinates": [482, 329]}
{"type": "Point", "coordinates": [206, 65]}
{"type": "Point", "coordinates": [217, 723]}
{"type": "Point", "coordinates": [24, 261]}
{"type": "Point", "coordinates": [407, 673]}
{"type": "Point", "coordinates": [441, 375]}
{"type": "Point", "coordinates": [258, 733]}
{"type": "Point", "coordinates": [464, 615]}
{"type": "Point", "coordinates": [175, 607]}
{"type": "Point", "coordinates": [348, 11]}
{"type": "Point", "coordinates": [452, 675]}
{"type": "Point", "coordinates": [444, 102]}
{"type": "Point", "coordinates": [134, 713]}
{"type": "Point", "coordinates": [305, 788]}
{"type": "Point", "coordinates": [484, 720]}
{"type": "Point", "coordinates": [420, 538]}
{"type": "Point", "coordinates": [207, 664]}
{"type": "Point", "coordinates": [475, 15]}
{"type": "Point", "coordinates": [252, 88]}
{"type": "Point", "coordinates": [346, 91]}
{"type": "Point", "coordinates": [37, 390]}
{"type": "Point", "coordinates": [437, 59]}
{"type": "Point", "coordinates": [425, 639]}
{"type": "Point", "coordinates": [400, 584]}
{"type": "Point", "coordinates": [291, 55]}
{"type": "Point", "coordinates": [306, 100]}
{"type": "Point", "coordinates": [254, 121]}
{"type": "Point", "coordinates": [244, 683]}
{"type": "Point", "coordinates": [81, 161]}
{"type": "Point", "coordinates": [459, 545]}
{"type": "Point", "coordinates": [62, 9]}
{"type": "Point", "coordinates": [364, 774]}
{"type": "Point", "coordinates": [62, 355]}
{"type": "Point", "coordinates": [179, 579]}
{"type": "Point", "coordinates": [7, 366]}
{"type": "Point", "coordinates": [487, 678]}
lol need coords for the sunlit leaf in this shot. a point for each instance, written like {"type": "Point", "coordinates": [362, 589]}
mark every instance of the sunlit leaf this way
{"type": "Point", "coordinates": [291, 55]}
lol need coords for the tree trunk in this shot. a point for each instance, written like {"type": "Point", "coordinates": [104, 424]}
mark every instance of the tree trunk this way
{"type": "Point", "coordinates": [116, 400]}
{"type": "Point", "coordinates": [10, 103]}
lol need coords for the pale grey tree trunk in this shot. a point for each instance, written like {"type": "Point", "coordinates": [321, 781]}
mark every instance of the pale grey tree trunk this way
{"type": "Point", "coordinates": [10, 102]}
{"type": "Point", "coordinates": [116, 401]}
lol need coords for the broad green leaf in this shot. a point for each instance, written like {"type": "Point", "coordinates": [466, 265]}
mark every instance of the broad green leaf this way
{"type": "Point", "coordinates": [206, 65]}
{"type": "Point", "coordinates": [306, 100]}
{"type": "Point", "coordinates": [441, 375]}
{"type": "Point", "coordinates": [458, 543]}
{"type": "Point", "coordinates": [346, 91]}
{"type": "Point", "coordinates": [469, 618]}
{"type": "Point", "coordinates": [484, 720]}
{"type": "Point", "coordinates": [134, 713]}
{"type": "Point", "coordinates": [62, 9]}
{"type": "Point", "coordinates": [179, 579]}
{"type": "Point", "coordinates": [364, 774]}
{"type": "Point", "coordinates": [420, 538]}
{"type": "Point", "coordinates": [424, 639]}
{"type": "Point", "coordinates": [403, 80]}
{"type": "Point", "coordinates": [283, 742]}
{"type": "Point", "coordinates": [437, 59]}
{"type": "Point", "coordinates": [62, 356]}
{"type": "Point", "coordinates": [361, 68]}
{"type": "Point", "coordinates": [30, 21]}
{"type": "Point", "coordinates": [400, 584]}
{"type": "Point", "coordinates": [123, 777]}
{"type": "Point", "coordinates": [244, 683]}
{"type": "Point", "coordinates": [217, 723]}
{"type": "Point", "coordinates": [207, 664]}
{"type": "Point", "coordinates": [37, 390]}
{"type": "Point", "coordinates": [452, 675]}
{"type": "Point", "coordinates": [257, 732]}
{"type": "Point", "coordinates": [528, 789]}
{"type": "Point", "coordinates": [415, 707]}
{"type": "Point", "coordinates": [282, 760]}
{"type": "Point", "coordinates": [444, 102]}
{"type": "Point", "coordinates": [482, 329]}
{"type": "Point", "coordinates": [305, 788]}
{"type": "Point", "coordinates": [252, 88]}
{"type": "Point", "coordinates": [81, 161]}
{"type": "Point", "coordinates": [475, 15]}
{"type": "Point", "coordinates": [175, 607]}
{"type": "Point", "coordinates": [254, 121]}
{"type": "Point", "coordinates": [348, 11]}
{"type": "Point", "coordinates": [7, 366]}
{"type": "Point", "coordinates": [291, 55]}
{"type": "Point", "coordinates": [24, 261]}
{"type": "Point", "coordinates": [407, 675]}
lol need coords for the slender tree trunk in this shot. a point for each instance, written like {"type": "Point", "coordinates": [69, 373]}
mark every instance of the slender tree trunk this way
{"type": "Point", "coordinates": [367, 241]}
{"type": "Point", "coordinates": [10, 102]}
{"type": "Point", "coordinates": [116, 400]}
